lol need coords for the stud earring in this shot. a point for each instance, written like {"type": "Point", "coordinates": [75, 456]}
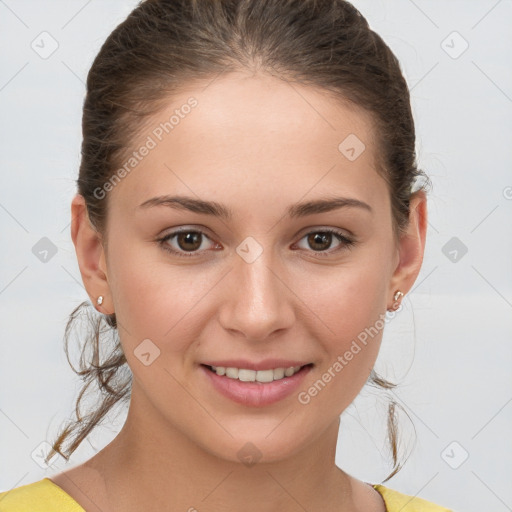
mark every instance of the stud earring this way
{"type": "Point", "coordinates": [397, 297]}
{"type": "Point", "coordinates": [99, 300]}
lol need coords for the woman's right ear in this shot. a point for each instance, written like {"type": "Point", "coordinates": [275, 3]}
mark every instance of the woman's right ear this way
{"type": "Point", "coordinates": [90, 255]}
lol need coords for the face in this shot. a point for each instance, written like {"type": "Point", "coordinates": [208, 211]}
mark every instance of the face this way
{"type": "Point", "coordinates": [269, 281]}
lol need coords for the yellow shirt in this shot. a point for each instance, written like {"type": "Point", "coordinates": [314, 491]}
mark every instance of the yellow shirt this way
{"type": "Point", "coordinates": [45, 496]}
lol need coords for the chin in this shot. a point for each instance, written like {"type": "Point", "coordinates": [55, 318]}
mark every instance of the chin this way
{"type": "Point", "coordinates": [257, 447]}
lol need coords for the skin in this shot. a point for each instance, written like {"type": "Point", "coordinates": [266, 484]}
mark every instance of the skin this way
{"type": "Point", "coordinates": [255, 144]}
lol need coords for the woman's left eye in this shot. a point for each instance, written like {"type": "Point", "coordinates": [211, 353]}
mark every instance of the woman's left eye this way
{"type": "Point", "coordinates": [324, 237]}
{"type": "Point", "coordinates": [189, 242]}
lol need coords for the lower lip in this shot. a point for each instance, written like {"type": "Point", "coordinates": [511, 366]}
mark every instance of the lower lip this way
{"type": "Point", "coordinates": [256, 394]}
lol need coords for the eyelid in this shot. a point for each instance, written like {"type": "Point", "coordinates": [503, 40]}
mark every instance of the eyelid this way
{"type": "Point", "coordinates": [320, 229]}
{"type": "Point", "coordinates": [163, 240]}
{"type": "Point", "coordinates": [347, 241]}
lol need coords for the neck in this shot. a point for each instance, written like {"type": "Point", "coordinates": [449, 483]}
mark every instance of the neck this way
{"type": "Point", "coordinates": [153, 465]}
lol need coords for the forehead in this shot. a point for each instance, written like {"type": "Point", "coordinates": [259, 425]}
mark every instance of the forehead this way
{"type": "Point", "coordinates": [246, 135]}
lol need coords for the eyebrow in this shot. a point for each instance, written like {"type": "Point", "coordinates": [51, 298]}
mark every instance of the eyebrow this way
{"type": "Point", "coordinates": [218, 210]}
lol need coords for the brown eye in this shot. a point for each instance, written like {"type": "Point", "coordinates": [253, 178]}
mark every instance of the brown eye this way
{"type": "Point", "coordinates": [187, 243]}
{"type": "Point", "coordinates": [319, 241]}
{"type": "Point", "coordinates": [189, 240]}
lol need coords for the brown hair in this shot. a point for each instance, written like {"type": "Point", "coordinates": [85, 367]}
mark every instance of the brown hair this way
{"type": "Point", "coordinates": [164, 45]}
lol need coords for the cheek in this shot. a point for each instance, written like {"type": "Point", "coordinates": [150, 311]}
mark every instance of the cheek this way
{"type": "Point", "coordinates": [157, 301]}
{"type": "Point", "coordinates": [349, 309]}
{"type": "Point", "coordinates": [347, 300]}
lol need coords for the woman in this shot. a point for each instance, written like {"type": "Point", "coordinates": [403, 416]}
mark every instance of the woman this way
{"type": "Point", "coordinates": [246, 211]}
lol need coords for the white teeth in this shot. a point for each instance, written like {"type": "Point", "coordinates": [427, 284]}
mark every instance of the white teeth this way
{"type": "Point", "coordinates": [232, 373]}
{"type": "Point", "coordinates": [256, 376]}
{"type": "Point", "coordinates": [279, 373]}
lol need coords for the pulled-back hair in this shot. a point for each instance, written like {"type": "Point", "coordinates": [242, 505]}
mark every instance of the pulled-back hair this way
{"type": "Point", "coordinates": [166, 45]}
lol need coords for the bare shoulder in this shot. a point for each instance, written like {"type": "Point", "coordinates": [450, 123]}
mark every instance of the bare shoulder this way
{"type": "Point", "coordinates": [366, 497]}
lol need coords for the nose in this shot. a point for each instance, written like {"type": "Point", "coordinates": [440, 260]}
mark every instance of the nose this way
{"type": "Point", "coordinates": [257, 301]}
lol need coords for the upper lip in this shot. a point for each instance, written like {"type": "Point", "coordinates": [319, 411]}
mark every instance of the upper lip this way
{"type": "Point", "coordinates": [266, 364]}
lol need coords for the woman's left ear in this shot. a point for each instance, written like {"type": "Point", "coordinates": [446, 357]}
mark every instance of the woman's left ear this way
{"type": "Point", "coordinates": [411, 246]}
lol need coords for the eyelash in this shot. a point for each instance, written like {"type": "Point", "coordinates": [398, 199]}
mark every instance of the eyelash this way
{"type": "Point", "coordinates": [347, 243]}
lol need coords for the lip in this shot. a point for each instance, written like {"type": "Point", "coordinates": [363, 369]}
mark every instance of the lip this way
{"type": "Point", "coordinates": [255, 394]}
{"type": "Point", "coordinates": [266, 364]}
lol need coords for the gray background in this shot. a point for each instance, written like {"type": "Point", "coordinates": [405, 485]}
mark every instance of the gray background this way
{"type": "Point", "coordinates": [450, 348]}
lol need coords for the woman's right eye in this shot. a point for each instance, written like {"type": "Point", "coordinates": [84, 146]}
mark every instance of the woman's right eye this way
{"type": "Point", "coordinates": [188, 242]}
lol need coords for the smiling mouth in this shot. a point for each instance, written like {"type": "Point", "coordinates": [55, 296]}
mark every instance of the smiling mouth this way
{"type": "Point", "coordinates": [259, 376]}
